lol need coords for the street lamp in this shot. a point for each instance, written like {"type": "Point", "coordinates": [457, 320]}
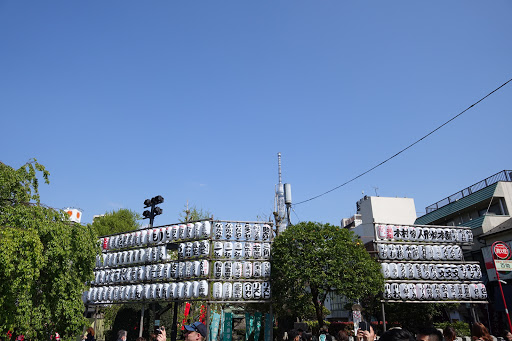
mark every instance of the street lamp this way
{"type": "Point", "coordinates": [151, 203]}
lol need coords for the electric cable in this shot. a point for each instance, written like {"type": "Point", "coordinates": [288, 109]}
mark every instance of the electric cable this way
{"type": "Point", "coordinates": [409, 146]}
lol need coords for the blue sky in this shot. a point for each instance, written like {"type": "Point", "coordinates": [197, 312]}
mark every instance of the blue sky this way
{"type": "Point", "coordinates": [192, 100]}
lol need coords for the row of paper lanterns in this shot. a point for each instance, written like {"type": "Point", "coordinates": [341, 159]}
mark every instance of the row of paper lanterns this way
{"type": "Point", "coordinates": [182, 232]}
{"type": "Point", "coordinates": [434, 291]}
{"type": "Point", "coordinates": [431, 271]}
{"type": "Point", "coordinates": [146, 255]}
{"type": "Point", "coordinates": [419, 252]}
{"type": "Point", "coordinates": [181, 290]}
{"type": "Point", "coordinates": [424, 234]}
{"type": "Point", "coordinates": [238, 250]}
{"type": "Point", "coordinates": [182, 270]}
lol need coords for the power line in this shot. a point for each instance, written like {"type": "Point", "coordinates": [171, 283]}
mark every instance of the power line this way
{"type": "Point", "coordinates": [409, 146]}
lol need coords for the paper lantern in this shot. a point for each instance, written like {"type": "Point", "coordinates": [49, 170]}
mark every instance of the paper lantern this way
{"type": "Point", "coordinates": [256, 232]}
{"type": "Point", "coordinates": [188, 250]}
{"type": "Point", "coordinates": [218, 270]}
{"type": "Point", "coordinates": [228, 231]}
{"type": "Point", "coordinates": [469, 234]}
{"type": "Point", "coordinates": [428, 291]}
{"type": "Point", "coordinates": [205, 268]}
{"type": "Point", "coordinates": [404, 291]}
{"type": "Point", "coordinates": [483, 291]}
{"type": "Point", "coordinates": [248, 250]}
{"type": "Point", "coordinates": [106, 260]}
{"type": "Point", "coordinates": [218, 249]}
{"type": "Point", "coordinates": [238, 231]}
{"type": "Point", "coordinates": [181, 250]}
{"type": "Point", "coordinates": [411, 294]}
{"type": "Point", "coordinates": [116, 293]}
{"type": "Point", "coordinates": [420, 236]}
{"type": "Point", "coordinates": [173, 270]}
{"type": "Point", "coordinates": [181, 269]}
{"type": "Point", "coordinates": [203, 288]}
{"type": "Point", "coordinates": [189, 293]}
{"type": "Point", "coordinates": [399, 252]}
{"type": "Point", "coordinates": [444, 252]}
{"type": "Point", "coordinates": [227, 291]}
{"type": "Point", "coordinates": [205, 229]}
{"type": "Point", "coordinates": [237, 290]}
{"type": "Point", "coordinates": [457, 251]}
{"type": "Point", "coordinates": [173, 291]}
{"type": "Point", "coordinates": [429, 252]}
{"type": "Point", "coordinates": [415, 252]}
{"type": "Point", "coordinates": [390, 232]}
{"type": "Point", "coordinates": [228, 269]}
{"type": "Point", "coordinates": [393, 271]}
{"type": "Point", "coordinates": [422, 252]}
{"type": "Point", "coordinates": [165, 291]}
{"type": "Point", "coordinates": [402, 274]}
{"type": "Point", "coordinates": [398, 232]}
{"type": "Point", "coordinates": [265, 250]}
{"type": "Point", "coordinates": [180, 290]}
{"type": "Point", "coordinates": [381, 232]}
{"type": "Point", "coordinates": [425, 273]}
{"type": "Point", "coordinates": [228, 249]}
{"type": "Point", "coordinates": [387, 291]}
{"type": "Point", "coordinates": [392, 252]}
{"type": "Point", "coordinates": [420, 291]}
{"type": "Point", "coordinates": [204, 248]}
{"type": "Point", "coordinates": [217, 290]}
{"type": "Point", "coordinates": [382, 249]}
{"type": "Point", "coordinates": [167, 271]}
{"type": "Point", "coordinates": [257, 290]}
{"type": "Point", "coordinates": [256, 250]}
{"type": "Point", "coordinates": [168, 234]}
{"type": "Point", "coordinates": [197, 230]}
{"type": "Point", "coordinates": [409, 270]}
{"type": "Point", "coordinates": [190, 231]}
{"type": "Point", "coordinates": [395, 291]}
{"type": "Point", "coordinates": [256, 268]}
{"type": "Point", "coordinates": [247, 269]}
{"type": "Point", "coordinates": [195, 249]}
{"type": "Point", "coordinates": [437, 253]}
{"type": "Point", "coordinates": [248, 230]}
{"type": "Point", "coordinates": [194, 289]}
{"type": "Point", "coordinates": [130, 293]}
{"type": "Point", "coordinates": [248, 290]}
{"type": "Point", "coordinates": [218, 230]}
{"type": "Point", "coordinates": [237, 269]}
{"type": "Point", "coordinates": [196, 268]}
{"type": "Point", "coordinates": [111, 244]}
{"type": "Point", "coordinates": [238, 250]}
{"type": "Point", "coordinates": [416, 271]}
{"type": "Point", "coordinates": [436, 291]}
{"type": "Point", "coordinates": [175, 232]}
{"type": "Point", "coordinates": [474, 291]}
{"type": "Point", "coordinates": [182, 231]}
{"type": "Point", "coordinates": [265, 232]}
{"type": "Point", "coordinates": [188, 269]}
{"type": "Point", "coordinates": [266, 269]}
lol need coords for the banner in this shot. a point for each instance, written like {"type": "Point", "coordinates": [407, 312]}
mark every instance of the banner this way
{"type": "Point", "coordinates": [257, 325]}
{"type": "Point", "coordinates": [269, 324]}
{"type": "Point", "coordinates": [185, 313]}
{"type": "Point", "coordinates": [228, 326]}
{"type": "Point", "coordinates": [214, 327]}
{"type": "Point", "coordinates": [249, 325]}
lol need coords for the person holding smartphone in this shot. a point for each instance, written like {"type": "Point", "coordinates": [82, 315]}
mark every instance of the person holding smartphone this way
{"type": "Point", "coordinates": [365, 332]}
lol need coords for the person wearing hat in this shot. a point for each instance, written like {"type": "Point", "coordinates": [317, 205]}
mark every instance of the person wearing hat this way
{"type": "Point", "coordinates": [195, 332]}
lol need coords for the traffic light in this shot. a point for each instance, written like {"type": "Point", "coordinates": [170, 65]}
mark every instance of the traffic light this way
{"type": "Point", "coordinates": [151, 214]}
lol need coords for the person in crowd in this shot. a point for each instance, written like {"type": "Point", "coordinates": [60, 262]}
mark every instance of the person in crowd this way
{"type": "Point", "coordinates": [449, 334]}
{"type": "Point", "coordinates": [507, 335]}
{"type": "Point", "coordinates": [121, 335]}
{"type": "Point", "coordinates": [429, 334]}
{"type": "Point", "coordinates": [397, 335]}
{"type": "Point", "coordinates": [367, 334]}
{"type": "Point", "coordinates": [324, 334]}
{"type": "Point", "coordinates": [480, 333]}
{"type": "Point", "coordinates": [194, 332]}
{"type": "Point", "coordinates": [293, 335]}
{"type": "Point", "coordinates": [342, 336]}
{"type": "Point", "coordinates": [89, 334]}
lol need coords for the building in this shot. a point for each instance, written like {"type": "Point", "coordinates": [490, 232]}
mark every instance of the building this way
{"type": "Point", "coordinates": [485, 208]}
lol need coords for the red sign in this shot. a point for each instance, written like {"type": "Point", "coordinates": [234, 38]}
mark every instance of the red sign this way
{"type": "Point", "coordinates": [501, 251]}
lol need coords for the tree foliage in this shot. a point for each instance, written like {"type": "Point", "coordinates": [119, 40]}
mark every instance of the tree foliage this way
{"type": "Point", "coordinates": [193, 213]}
{"type": "Point", "coordinates": [311, 260]}
{"type": "Point", "coordinates": [122, 220]}
{"type": "Point", "coordinates": [45, 260]}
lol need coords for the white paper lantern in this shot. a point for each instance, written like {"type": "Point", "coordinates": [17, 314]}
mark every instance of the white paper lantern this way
{"type": "Point", "coordinates": [459, 292]}
{"type": "Point", "coordinates": [404, 291]}
{"type": "Point", "coordinates": [181, 250]}
{"type": "Point", "coordinates": [218, 249]}
{"type": "Point", "coordinates": [420, 291]}
{"type": "Point", "coordinates": [168, 233]}
{"type": "Point", "coordinates": [415, 252]}
{"type": "Point", "coordinates": [398, 232]}
{"type": "Point", "coordinates": [248, 290]}
{"type": "Point", "coordinates": [196, 267]}
{"type": "Point", "coordinates": [411, 295]}
{"type": "Point", "coordinates": [228, 269]}
{"type": "Point", "coordinates": [393, 271]}
{"type": "Point", "coordinates": [248, 250]}
{"type": "Point", "coordinates": [204, 248]}
{"type": "Point", "coordinates": [395, 291]}
{"type": "Point", "coordinates": [228, 231]}
{"type": "Point", "coordinates": [402, 273]}
{"type": "Point", "coordinates": [228, 249]}
{"type": "Point", "coordinates": [238, 231]}
{"type": "Point", "coordinates": [217, 290]}
{"type": "Point", "coordinates": [189, 293]}
{"type": "Point", "coordinates": [428, 291]}
{"type": "Point", "coordinates": [247, 269]}
{"type": "Point", "coordinates": [180, 290]}
{"type": "Point", "coordinates": [165, 291]}
{"type": "Point", "coordinates": [218, 270]}
{"type": "Point", "coordinates": [188, 250]}
{"type": "Point", "coordinates": [257, 290]}
{"type": "Point", "coordinates": [173, 291]}
{"type": "Point", "coordinates": [452, 291]}
{"type": "Point", "coordinates": [416, 271]}
{"type": "Point", "coordinates": [237, 269]}
{"type": "Point", "coordinates": [197, 230]}
{"type": "Point", "coordinates": [257, 270]}
{"type": "Point", "coordinates": [175, 232]}
{"type": "Point", "coordinates": [409, 270]}
{"type": "Point", "coordinates": [205, 229]}
{"type": "Point", "coordinates": [387, 291]}
{"type": "Point", "coordinates": [425, 274]}
{"type": "Point", "coordinates": [382, 249]}
{"type": "Point", "coordinates": [227, 291]}
{"type": "Point", "coordinates": [266, 232]}
{"type": "Point", "coordinates": [190, 231]}
{"type": "Point", "coordinates": [195, 249]}
{"type": "Point", "coordinates": [188, 269]}
{"type": "Point", "coordinates": [392, 251]}
{"type": "Point", "coordinates": [195, 289]}
{"type": "Point", "coordinates": [390, 232]}
{"type": "Point", "coordinates": [237, 290]}
{"type": "Point", "coordinates": [116, 293]}
{"type": "Point", "coordinates": [256, 232]}
{"type": "Point", "coordinates": [238, 250]}
{"type": "Point", "coordinates": [483, 291]}
{"type": "Point", "coordinates": [381, 232]}
{"type": "Point", "coordinates": [203, 288]}
{"type": "Point", "coordinates": [218, 230]}
{"type": "Point", "coordinates": [474, 291]}
{"type": "Point", "coordinates": [256, 250]}
{"type": "Point", "coordinates": [182, 231]}
{"type": "Point", "coordinates": [181, 269]}
{"type": "Point", "coordinates": [205, 268]}
{"type": "Point", "coordinates": [248, 232]}
{"type": "Point", "coordinates": [173, 270]}
{"type": "Point", "coordinates": [266, 269]}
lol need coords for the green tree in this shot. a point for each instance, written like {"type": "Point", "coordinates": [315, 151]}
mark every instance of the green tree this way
{"type": "Point", "coordinates": [45, 260]}
{"type": "Point", "coordinates": [122, 220]}
{"type": "Point", "coordinates": [193, 213]}
{"type": "Point", "coordinates": [311, 260]}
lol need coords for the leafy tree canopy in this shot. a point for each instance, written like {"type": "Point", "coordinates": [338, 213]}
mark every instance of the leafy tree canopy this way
{"type": "Point", "coordinates": [44, 260]}
{"type": "Point", "coordinates": [311, 260]}
{"type": "Point", "coordinates": [193, 213]}
{"type": "Point", "coordinates": [122, 220]}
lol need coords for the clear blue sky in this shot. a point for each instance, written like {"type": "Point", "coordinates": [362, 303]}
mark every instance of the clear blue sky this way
{"type": "Point", "coordinates": [192, 100]}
